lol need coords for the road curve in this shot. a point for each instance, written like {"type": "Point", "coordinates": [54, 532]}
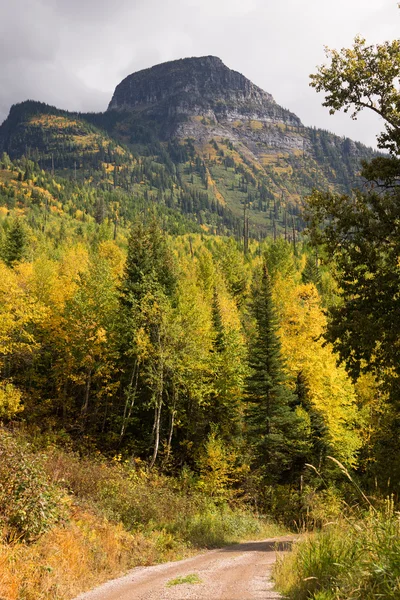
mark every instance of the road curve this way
{"type": "Point", "coordinates": [240, 572]}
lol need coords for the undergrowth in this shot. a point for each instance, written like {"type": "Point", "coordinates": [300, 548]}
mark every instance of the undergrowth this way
{"type": "Point", "coordinates": [29, 503]}
{"type": "Point", "coordinates": [68, 524]}
{"type": "Point", "coordinates": [357, 557]}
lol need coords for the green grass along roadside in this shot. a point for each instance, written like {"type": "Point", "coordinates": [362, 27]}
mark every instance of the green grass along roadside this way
{"type": "Point", "coordinates": [354, 557]}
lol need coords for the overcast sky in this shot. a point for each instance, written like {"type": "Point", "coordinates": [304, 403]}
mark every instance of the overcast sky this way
{"type": "Point", "coordinates": [72, 53]}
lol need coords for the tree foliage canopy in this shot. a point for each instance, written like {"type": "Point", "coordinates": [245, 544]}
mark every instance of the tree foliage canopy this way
{"type": "Point", "coordinates": [364, 76]}
{"type": "Point", "coordinates": [361, 232]}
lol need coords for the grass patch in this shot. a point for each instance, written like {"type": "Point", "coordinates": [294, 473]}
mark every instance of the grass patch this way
{"type": "Point", "coordinates": [357, 559]}
{"type": "Point", "coordinates": [192, 578]}
{"type": "Point", "coordinates": [217, 526]}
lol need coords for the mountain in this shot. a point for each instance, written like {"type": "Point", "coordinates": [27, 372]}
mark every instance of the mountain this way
{"type": "Point", "coordinates": [196, 97]}
{"type": "Point", "coordinates": [38, 127]}
{"type": "Point", "coordinates": [197, 87]}
{"type": "Point", "coordinates": [196, 136]}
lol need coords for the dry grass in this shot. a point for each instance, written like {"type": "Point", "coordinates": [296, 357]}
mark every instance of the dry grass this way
{"type": "Point", "coordinates": [116, 515]}
{"type": "Point", "coordinates": [77, 557]}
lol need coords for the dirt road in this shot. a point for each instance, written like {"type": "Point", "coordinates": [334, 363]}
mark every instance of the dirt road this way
{"type": "Point", "coordinates": [240, 572]}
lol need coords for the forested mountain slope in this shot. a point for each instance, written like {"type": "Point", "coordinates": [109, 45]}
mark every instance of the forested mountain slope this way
{"type": "Point", "coordinates": [197, 137]}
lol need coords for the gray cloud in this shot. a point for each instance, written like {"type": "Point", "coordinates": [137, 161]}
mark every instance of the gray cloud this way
{"type": "Point", "coordinates": [72, 53]}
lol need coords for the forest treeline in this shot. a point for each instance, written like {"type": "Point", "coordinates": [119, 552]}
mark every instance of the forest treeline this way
{"type": "Point", "coordinates": [181, 350]}
{"type": "Point", "coordinates": [121, 162]}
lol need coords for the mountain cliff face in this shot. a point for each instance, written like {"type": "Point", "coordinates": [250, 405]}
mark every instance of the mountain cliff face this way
{"type": "Point", "coordinates": [197, 87]}
{"type": "Point", "coordinates": [201, 98]}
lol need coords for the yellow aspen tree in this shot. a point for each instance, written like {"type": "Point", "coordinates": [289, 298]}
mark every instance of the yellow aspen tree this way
{"type": "Point", "coordinates": [330, 389]}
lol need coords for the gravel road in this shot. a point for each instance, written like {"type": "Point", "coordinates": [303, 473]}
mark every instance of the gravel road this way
{"type": "Point", "coordinates": [240, 572]}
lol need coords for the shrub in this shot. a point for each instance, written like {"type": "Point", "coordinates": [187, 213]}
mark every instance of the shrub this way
{"type": "Point", "coordinates": [128, 494]}
{"type": "Point", "coordinates": [215, 526]}
{"type": "Point", "coordinates": [10, 400]}
{"type": "Point", "coordinates": [29, 503]}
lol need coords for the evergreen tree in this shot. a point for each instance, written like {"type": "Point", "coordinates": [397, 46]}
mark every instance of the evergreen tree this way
{"type": "Point", "coordinates": [274, 429]}
{"type": "Point", "coordinates": [14, 244]}
{"type": "Point", "coordinates": [5, 161]}
{"type": "Point", "coordinates": [148, 257]}
{"type": "Point", "coordinates": [219, 344]}
{"type": "Point", "coordinates": [319, 433]}
{"type": "Point", "coordinates": [311, 272]}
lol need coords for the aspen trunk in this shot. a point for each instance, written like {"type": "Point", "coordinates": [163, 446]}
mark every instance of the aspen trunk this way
{"type": "Point", "coordinates": [157, 416]}
{"type": "Point", "coordinates": [87, 392]}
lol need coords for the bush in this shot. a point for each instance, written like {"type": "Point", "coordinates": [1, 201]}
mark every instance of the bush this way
{"type": "Point", "coordinates": [10, 400]}
{"type": "Point", "coordinates": [29, 504]}
{"type": "Point", "coordinates": [214, 526]}
{"type": "Point", "coordinates": [126, 493]}
{"type": "Point", "coordinates": [122, 492]}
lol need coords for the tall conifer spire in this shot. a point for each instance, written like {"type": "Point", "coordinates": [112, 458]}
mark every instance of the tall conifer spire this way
{"type": "Point", "coordinates": [273, 426]}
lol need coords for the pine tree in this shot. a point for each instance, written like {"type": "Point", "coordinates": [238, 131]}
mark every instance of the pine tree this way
{"type": "Point", "coordinates": [148, 258]}
{"type": "Point", "coordinates": [219, 343]}
{"type": "Point", "coordinates": [274, 429]}
{"type": "Point", "coordinates": [5, 161]}
{"type": "Point", "coordinates": [14, 244]}
{"type": "Point", "coordinates": [311, 272]}
{"type": "Point", "coordinates": [319, 433]}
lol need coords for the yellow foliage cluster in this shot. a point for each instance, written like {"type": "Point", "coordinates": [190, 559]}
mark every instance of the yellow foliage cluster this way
{"type": "Point", "coordinates": [212, 184]}
{"type": "Point", "coordinates": [26, 189]}
{"type": "Point", "coordinates": [18, 310]}
{"type": "Point", "coordinates": [331, 391]}
{"type": "Point", "coordinates": [84, 140]}
{"type": "Point", "coordinates": [10, 400]}
{"type": "Point", "coordinates": [114, 256]}
{"type": "Point", "coordinates": [256, 125]}
{"type": "Point", "coordinates": [217, 464]}
{"type": "Point", "coordinates": [34, 295]}
{"type": "Point", "coordinates": [53, 121]}
{"type": "Point", "coordinates": [209, 151]}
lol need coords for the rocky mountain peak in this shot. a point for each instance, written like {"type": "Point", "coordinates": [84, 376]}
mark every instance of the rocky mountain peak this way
{"type": "Point", "coordinates": [198, 86]}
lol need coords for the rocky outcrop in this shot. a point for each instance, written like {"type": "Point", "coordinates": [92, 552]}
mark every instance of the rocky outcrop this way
{"type": "Point", "coordinates": [197, 87]}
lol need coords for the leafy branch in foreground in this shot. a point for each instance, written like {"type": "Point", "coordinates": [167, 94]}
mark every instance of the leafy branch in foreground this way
{"type": "Point", "coordinates": [364, 76]}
